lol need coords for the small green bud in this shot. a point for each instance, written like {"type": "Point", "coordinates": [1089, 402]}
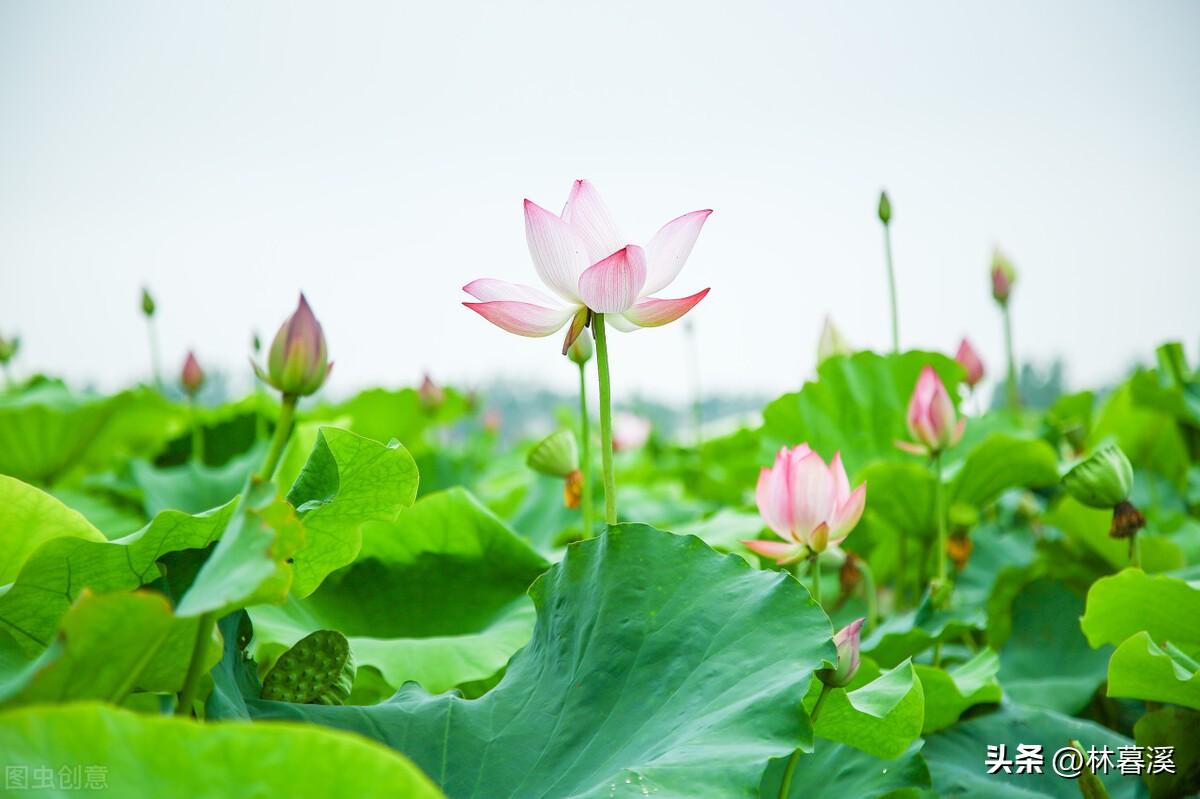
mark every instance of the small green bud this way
{"type": "Point", "coordinates": [318, 670]}
{"type": "Point", "coordinates": [885, 208]}
{"type": "Point", "coordinates": [1102, 480]}
{"type": "Point", "coordinates": [581, 350]}
{"type": "Point", "coordinates": [255, 342]}
{"type": "Point", "coordinates": [147, 303]}
{"type": "Point", "coordinates": [9, 348]}
{"type": "Point", "coordinates": [557, 455]}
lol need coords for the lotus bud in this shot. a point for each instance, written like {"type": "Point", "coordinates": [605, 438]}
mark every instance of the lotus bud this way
{"type": "Point", "coordinates": [885, 208]}
{"type": "Point", "coordinates": [932, 420]}
{"type": "Point", "coordinates": [192, 376]}
{"type": "Point", "coordinates": [255, 342]}
{"type": "Point", "coordinates": [580, 351]}
{"type": "Point", "coordinates": [847, 641]}
{"type": "Point", "coordinates": [431, 394]}
{"type": "Point", "coordinates": [1105, 480]}
{"type": "Point", "coordinates": [8, 349]}
{"type": "Point", "coordinates": [969, 360]}
{"type": "Point", "coordinates": [318, 670]}
{"type": "Point", "coordinates": [1003, 277]}
{"type": "Point", "coordinates": [557, 455]}
{"type": "Point", "coordinates": [832, 342]}
{"type": "Point", "coordinates": [296, 364]}
{"type": "Point", "coordinates": [147, 303]}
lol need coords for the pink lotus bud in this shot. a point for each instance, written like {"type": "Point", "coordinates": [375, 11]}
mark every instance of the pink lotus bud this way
{"type": "Point", "coordinates": [1003, 277]}
{"type": "Point", "coordinates": [932, 420]}
{"type": "Point", "coordinates": [192, 376]}
{"type": "Point", "coordinates": [630, 431]}
{"type": "Point", "coordinates": [848, 641]}
{"type": "Point", "coordinates": [431, 393]}
{"type": "Point", "coordinates": [806, 503]}
{"type": "Point", "coordinates": [969, 359]}
{"type": "Point", "coordinates": [296, 364]}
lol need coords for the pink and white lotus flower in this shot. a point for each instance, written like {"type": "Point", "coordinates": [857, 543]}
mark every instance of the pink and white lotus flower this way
{"type": "Point", "coordinates": [585, 261]}
{"type": "Point", "coordinates": [807, 503]}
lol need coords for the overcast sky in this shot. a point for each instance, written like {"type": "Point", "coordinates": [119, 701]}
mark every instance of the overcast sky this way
{"type": "Point", "coordinates": [376, 155]}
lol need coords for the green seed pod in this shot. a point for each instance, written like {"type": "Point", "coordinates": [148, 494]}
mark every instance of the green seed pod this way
{"type": "Point", "coordinates": [885, 208]}
{"type": "Point", "coordinates": [147, 303]}
{"type": "Point", "coordinates": [557, 455]}
{"type": "Point", "coordinates": [318, 670]}
{"type": "Point", "coordinates": [1102, 480]}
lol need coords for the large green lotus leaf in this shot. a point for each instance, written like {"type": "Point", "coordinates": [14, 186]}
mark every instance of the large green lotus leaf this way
{"type": "Point", "coordinates": [1127, 603]}
{"type": "Point", "coordinates": [29, 517]}
{"type": "Point", "coordinates": [437, 596]}
{"type": "Point", "coordinates": [348, 481]}
{"type": "Point", "coordinates": [956, 756]}
{"type": "Point", "coordinates": [656, 665]}
{"type": "Point", "coordinates": [107, 646]}
{"type": "Point", "coordinates": [901, 493]}
{"type": "Point", "coordinates": [1173, 727]}
{"type": "Point", "coordinates": [837, 771]}
{"type": "Point", "coordinates": [1000, 462]}
{"type": "Point", "coordinates": [1003, 560]}
{"type": "Point", "coordinates": [132, 755]}
{"type": "Point", "coordinates": [1141, 669]}
{"type": "Point", "coordinates": [1149, 437]}
{"type": "Point", "coordinates": [856, 405]}
{"type": "Point", "coordinates": [109, 514]}
{"type": "Point", "coordinates": [542, 516]}
{"type": "Point", "coordinates": [52, 578]}
{"type": "Point", "coordinates": [726, 529]}
{"type": "Point", "coordinates": [47, 431]}
{"type": "Point", "coordinates": [879, 713]}
{"type": "Point", "coordinates": [1088, 528]}
{"type": "Point", "coordinates": [905, 635]}
{"type": "Point", "coordinates": [1047, 662]}
{"type": "Point", "coordinates": [949, 692]}
{"type": "Point", "coordinates": [192, 487]}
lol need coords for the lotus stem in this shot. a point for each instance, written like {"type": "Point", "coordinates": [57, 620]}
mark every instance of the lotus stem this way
{"type": "Point", "coordinates": [1014, 395]}
{"type": "Point", "coordinates": [887, 249]}
{"type": "Point", "coordinates": [585, 454]}
{"type": "Point", "coordinates": [939, 493]}
{"type": "Point", "coordinates": [283, 430]}
{"type": "Point", "coordinates": [901, 587]}
{"type": "Point", "coordinates": [869, 594]}
{"type": "Point", "coordinates": [155, 359]}
{"type": "Point", "coordinates": [197, 433]}
{"type": "Point", "coordinates": [606, 450]}
{"type": "Point", "coordinates": [785, 787]}
{"type": "Point", "coordinates": [191, 682]}
{"type": "Point", "coordinates": [815, 574]}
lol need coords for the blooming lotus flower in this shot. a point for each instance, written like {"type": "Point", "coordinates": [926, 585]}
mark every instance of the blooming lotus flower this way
{"type": "Point", "coordinates": [832, 342]}
{"type": "Point", "coordinates": [296, 364]}
{"type": "Point", "coordinates": [848, 641]}
{"type": "Point", "coordinates": [932, 420]}
{"type": "Point", "coordinates": [590, 267]}
{"type": "Point", "coordinates": [970, 361]}
{"type": "Point", "coordinates": [192, 376]}
{"type": "Point", "coordinates": [630, 431]}
{"type": "Point", "coordinates": [807, 503]}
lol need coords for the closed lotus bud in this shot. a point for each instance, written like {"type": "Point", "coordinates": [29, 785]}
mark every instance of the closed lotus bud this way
{"type": "Point", "coordinates": [556, 455]}
{"type": "Point", "coordinates": [581, 350]}
{"type": "Point", "coordinates": [432, 395]}
{"type": "Point", "coordinates": [9, 348]}
{"type": "Point", "coordinates": [1102, 480]}
{"type": "Point", "coordinates": [832, 342]}
{"type": "Point", "coordinates": [885, 208]}
{"type": "Point", "coordinates": [932, 420]}
{"type": "Point", "coordinates": [1003, 277]}
{"type": "Point", "coordinates": [848, 642]}
{"type": "Point", "coordinates": [969, 360]}
{"type": "Point", "coordinates": [318, 670]}
{"type": "Point", "coordinates": [255, 343]}
{"type": "Point", "coordinates": [296, 364]}
{"type": "Point", "coordinates": [147, 303]}
{"type": "Point", "coordinates": [192, 376]}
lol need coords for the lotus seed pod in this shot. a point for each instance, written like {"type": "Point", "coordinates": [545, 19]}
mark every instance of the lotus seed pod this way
{"type": "Point", "coordinates": [1102, 480]}
{"type": "Point", "coordinates": [581, 350]}
{"type": "Point", "coordinates": [318, 670]}
{"type": "Point", "coordinates": [147, 303]}
{"type": "Point", "coordinates": [885, 208]}
{"type": "Point", "coordinates": [557, 455]}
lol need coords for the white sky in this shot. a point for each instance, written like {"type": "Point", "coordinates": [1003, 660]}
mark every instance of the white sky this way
{"type": "Point", "coordinates": [376, 155]}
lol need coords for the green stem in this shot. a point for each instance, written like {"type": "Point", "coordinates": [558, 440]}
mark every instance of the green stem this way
{"type": "Point", "coordinates": [197, 434]}
{"type": "Point", "coordinates": [1135, 552]}
{"type": "Point", "coordinates": [869, 594]}
{"type": "Point", "coordinates": [815, 573]}
{"type": "Point", "coordinates": [887, 247]}
{"type": "Point", "coordinates": [940, 510]}
{"type": "Point", "coordinates": [785, 787]}
{"type": "Point", "coordinates": [606, 451]}
{"type": "Point", "coordinates": [901, 586]}
{"type": "Point", "coordinates": [191, 682]}
{"type": "Point", "coordinates": [9, 383]}
{"type": "Point", "coordinates": [283, 429]}
{"type": "Point", "coordinates": [694, 368]}
{"type": "Point", "coordinates": [155, 360]}
{"type": "Point", "coordinates": [585, 454]}
{"type": "Point", "coordinates": [1014, 396]}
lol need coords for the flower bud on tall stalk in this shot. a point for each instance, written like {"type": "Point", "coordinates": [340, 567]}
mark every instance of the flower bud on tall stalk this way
{"type": "Point", "coordinates": [579, 353]}
{"type": "Point", "coordinates": [191, 378]}
{"type": "Point", "coordinates": [969, 359]}
{"type": "Point", "coordinates": [148, 310]}
{"type": "Point", "coordinates": [1105, 480]}
{"type": "Point", "coordinates": [1003, 277]}
{"type": "Point", "coordinates": [885, 216]}
{"type": "Point", "coordinates": [8, 350]}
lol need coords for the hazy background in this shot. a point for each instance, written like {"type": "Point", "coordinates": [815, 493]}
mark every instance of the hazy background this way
{"type": "Point", "coordinates": [376, 155]}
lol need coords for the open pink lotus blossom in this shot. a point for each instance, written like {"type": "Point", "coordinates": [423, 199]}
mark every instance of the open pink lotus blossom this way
{"type": "Point", "coordinates": [807, 503]}
{"type": "Point", "coordinates": [932, 420]}
{"type": "Point", "coordinates": [630, 431]}
{"type": "Point", "coordinates": [969, 360]}
{"type": "Point", "coordinates": [590, 267]}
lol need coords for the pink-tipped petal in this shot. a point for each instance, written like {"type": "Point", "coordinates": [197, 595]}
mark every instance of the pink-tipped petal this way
{"type": "Point", "coordinates": [846, 516]}
{"type": "Point", "coordinates": [959, 429]}
{"type": "Point", "coordinates": [841, 483]}
{"type": "Point", "coordinates": [589, 216]}
{"type": "Point", "coordinates": [654, 312]}
{"type": "Point", "coordinates": [669, 249]}
{"type": "Point", "coordinates": [614, 284]}
{"type": "Point", "coordinates": [773, 497]}
{"type": "Point", "coordinates": [778, 551]}
{"type": "Point", "coordinates": [488, 289]}
{"type": "Point", "coordinates": [558, 253]}
{"type": "Point", "coordinates": [910, 447]}
{"type": "Point", "coordinates": [522, 318]}
{"type": "Point", "coordinates": [812, 493]}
